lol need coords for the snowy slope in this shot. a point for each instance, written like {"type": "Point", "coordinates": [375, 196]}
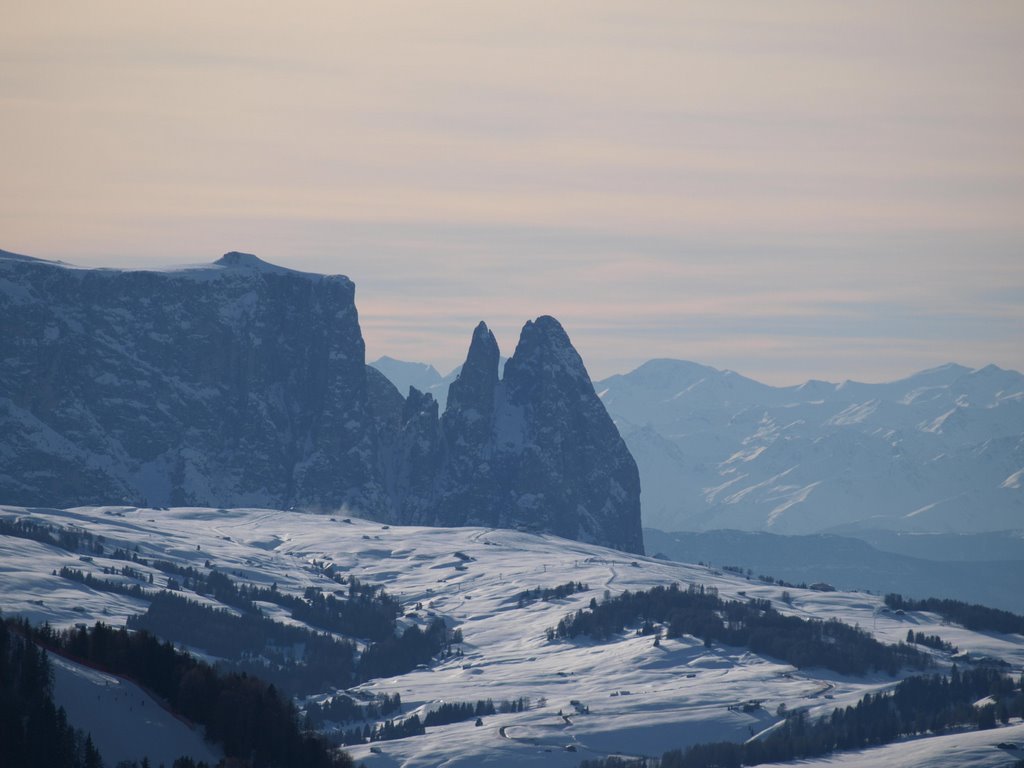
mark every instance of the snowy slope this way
{"type": "Point", "coordinates": [941, 450]}
{"type": "Point", "coordinates": [125, 722]}
{"type": "Point", "coordinates": [641, 698]}
{"type": "Point", "coordinates": [974, 748]}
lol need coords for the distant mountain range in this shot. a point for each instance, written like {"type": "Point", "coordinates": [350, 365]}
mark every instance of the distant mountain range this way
{"type": "Point", "coordinates": [942, 450]}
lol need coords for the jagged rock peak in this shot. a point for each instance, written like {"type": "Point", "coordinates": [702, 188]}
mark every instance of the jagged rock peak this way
{"type": "Point", "coordinates": [475, 386]}
{"type": "Point", "coordinates": [543, 356]}
{"type": "Point", "coordinates": [419, 403]}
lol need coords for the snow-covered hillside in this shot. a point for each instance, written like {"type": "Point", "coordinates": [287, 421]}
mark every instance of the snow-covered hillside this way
{"type": "Point", "coordinates": [941, 450]}
{"type": "Point", "coordinates": [125, 722]}
{"type": "Point", "coordinates": [630, 696]}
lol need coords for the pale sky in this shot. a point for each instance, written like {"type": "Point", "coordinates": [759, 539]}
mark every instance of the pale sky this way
{"type": "Point", "coordinates": [790, 190]}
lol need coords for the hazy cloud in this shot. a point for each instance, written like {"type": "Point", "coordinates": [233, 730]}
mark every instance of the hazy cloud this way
{"type": "Point", "coordinates": [786, 189]}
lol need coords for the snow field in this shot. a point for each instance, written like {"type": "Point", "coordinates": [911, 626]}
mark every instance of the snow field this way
{"type": "Point", "coordinates": [641, 699]}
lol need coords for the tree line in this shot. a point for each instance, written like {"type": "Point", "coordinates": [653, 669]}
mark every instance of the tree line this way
{"type": "Point", "coordinates": [33, 730]}
{"type": "Point", "coordinates": [70, 539]}
{"type": "Point", "coordinates": [752, 624]}
{"type": "Point", "coordinates": [343, 709]}
{"type": "Point", "coordinates": [979, 618]}
{"type": "Point", "coordinates": [924, 704]}
{"type": "Point", "coordinates": [256, 644]}
{"type": "Point", "coordinates": [545, 594]}
{"type": "Point", "coordinates": [254, 724]}
{"type": "Point", "coordinates": [930, 641]}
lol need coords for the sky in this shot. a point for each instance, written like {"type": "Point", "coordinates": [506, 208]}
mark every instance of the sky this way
{"type": "Point", "coordinates": [822, 190]}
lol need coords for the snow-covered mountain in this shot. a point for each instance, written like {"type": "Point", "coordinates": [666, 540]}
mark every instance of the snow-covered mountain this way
{"type": "Point", "coordinates": [941, 450]}
{"type": "Point", "coordinates": [244, 383]}
{"type": "Point", "coordinates": [625, 695]}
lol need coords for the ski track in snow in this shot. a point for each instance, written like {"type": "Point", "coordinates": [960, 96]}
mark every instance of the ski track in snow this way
{"type": "Point", "coordinates": [641, 698]}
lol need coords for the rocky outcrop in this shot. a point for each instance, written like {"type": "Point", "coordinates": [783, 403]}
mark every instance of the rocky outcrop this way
{"type": "Point", "coordinates": [534, 450]}
{"type": "Point", "coordinates": [243, 383]}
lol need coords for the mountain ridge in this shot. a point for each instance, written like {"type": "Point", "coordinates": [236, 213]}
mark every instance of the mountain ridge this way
{"type": "Point", "coordinates": [244, 383]}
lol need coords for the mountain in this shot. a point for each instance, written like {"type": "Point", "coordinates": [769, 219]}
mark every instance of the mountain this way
{"type": "Point", "coordinates": [619, 694]}
{"type": "Point", "coordinates": [534, 449]}
{"type": "Point", "coordinates": [245, 383]}
{"type": "Point", "coordinates": [941, 450]}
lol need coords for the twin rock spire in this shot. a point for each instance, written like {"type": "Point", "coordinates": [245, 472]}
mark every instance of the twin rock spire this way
{"type": "Point", "coordinates": [533, 449]}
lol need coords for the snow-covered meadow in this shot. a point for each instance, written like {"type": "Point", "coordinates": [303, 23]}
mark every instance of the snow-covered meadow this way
{"type": "Point", "coordinates": [632, 697]}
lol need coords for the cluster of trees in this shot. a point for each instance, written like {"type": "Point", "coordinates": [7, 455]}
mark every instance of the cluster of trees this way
{"type": "Point", "coordinates": [399, 654]}
{"type": "Point", "coordinates": [528, 596]}
{"type": "Point", "coordinates": [261, 646]}
{"type": "Point", "coordinates": [367, 611]}
{"type": "Point", "coordinates": [344, 709]}
{"type": "Point", "coordinates": [753, 624]}
{"type": "Point", "coordinates": [917, 705]}
{"type": "Point", "coordinates": [258, 645]}
{"type": "Point", "coordinates": [930, 641]}
{"type": "Point", "coordinates": [104, 585]}
{"type": "Point", "coordinates": [370, 613]}
{"type": "Point", "coordinates": [120, 553]}
{"type": "Point", "coordinates": [252, 722]}
{"type": "Point", "coordinates": [456, 712]}
{"type": "Point", "coordinates": [977, 617]}
{"type": "Point", "coordinates": [33, 730]}
{"type": "Point", "coordinates": [386, 731]}
{"type": "Point", "coordinates": [253, 643]}
{"type": "Point", "coordinates": [71, 539]}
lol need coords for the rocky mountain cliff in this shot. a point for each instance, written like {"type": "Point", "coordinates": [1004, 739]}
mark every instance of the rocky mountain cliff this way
{"type": "Point", "coordinates": [234, 383]}
{"type": "Point", "coordinates": [243, 383]}
{"type": "Point", "coordinates": [534, 449]}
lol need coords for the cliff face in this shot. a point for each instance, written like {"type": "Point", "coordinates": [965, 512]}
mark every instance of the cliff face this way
{"type": "Point", "coordinates": [242, 383]}
{"type": "Point", "coordinates": [237, 383]}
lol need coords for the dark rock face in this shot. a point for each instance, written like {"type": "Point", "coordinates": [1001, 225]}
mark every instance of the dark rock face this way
{"type": "Point", "coordinates": [238, 383]}
{"type": "Point", "coordinates": [242, 383]}
{"type": "Point", "coordinates": [571, 466]}
{"type": "Point", "coordinates": [535, 450]}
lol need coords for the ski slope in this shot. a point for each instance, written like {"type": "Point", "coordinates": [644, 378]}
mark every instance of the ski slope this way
{"type": "Point", "coordinates": [126, 723]}
{"type": "Point", "coordinates": [640, 699]}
